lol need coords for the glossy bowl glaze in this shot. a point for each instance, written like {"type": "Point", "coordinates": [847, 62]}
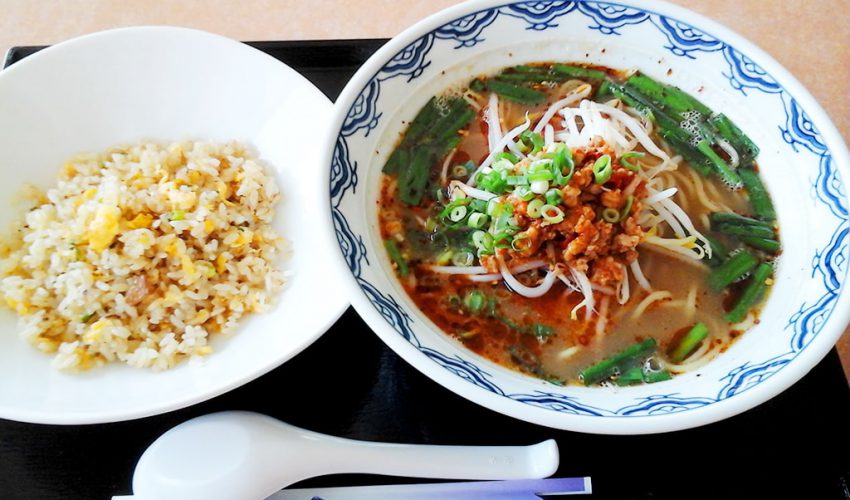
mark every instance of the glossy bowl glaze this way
{"type": "Point", "coordinates": [167, 84]}
{"type": "Point", "coordinates": [803, 161]}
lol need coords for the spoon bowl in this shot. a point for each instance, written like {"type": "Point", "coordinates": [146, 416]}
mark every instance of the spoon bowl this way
{"type": "Point", "coordinates": [251, 456]}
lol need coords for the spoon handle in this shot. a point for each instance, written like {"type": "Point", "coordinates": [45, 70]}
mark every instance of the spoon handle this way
{"type": "Point", "coordinates": [250, 456]}
{"type": "Point", "coordinates": [448, 462]}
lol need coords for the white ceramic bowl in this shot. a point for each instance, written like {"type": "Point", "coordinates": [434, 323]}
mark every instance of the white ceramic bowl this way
{"type": "Point", "coordinates": [166, 84]}
{"type": "Point", "coordinates": [803, 160]}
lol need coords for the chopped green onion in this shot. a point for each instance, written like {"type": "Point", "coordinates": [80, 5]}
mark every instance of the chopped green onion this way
{"type": "Point", "coordinates": [494, 208]}
{"type": "Point", "coordinates": [737, 139]}
{"type": "Point", "coordinates": [631, 98]}
{"type": "Point", "coordinates": [627, 209]}
{"type": "Point", "coordinates": [507, 156]}
{"type": "Point", "coordinates": [534, 208]}
{"type": "Point", "coordinates": [209, 270]}
{"type": "Point", "coordinates": [532, 140]}
{"type": "Point", "coordinates": [538, 330]}
{"type": "Point", "coordinates": [732, 269]}
{"type": "Point", "coordinates": [752, 293]}
{"type": "Point", "coordinates": [395, 256]}
{"type": "Point", "coordinates": [624, 160]}
{"type": "Point", "coordinates": [524, 193]}
{"type": "Point", "coordinates": [603, 90]}
{"type": "Point", "coordinates": [478, 205]}
{"type": "Point", "coordinates": [637, 374]}
{"type": "Point", "coordinates": [521, 243]}
{"type": "Point", "coordinates": [474, 300]}
{"type": "Point", "coordinates": [444, 132]}
{"type": "Point", "coordinates": [602, 169]}
{"type": "Point", "coordinates": [554, 197]}
{"type": "Point", "coordinates": [483, 241]}
{"type": "Point", "coordinates": [414, 176]}
{"type": "Point", "coordinates": [542, 175]}
{"type": "Point", "coordinates": [611, 215]}
{"type": "Point", "coordinates": [579, 72]}
{"type": "Point", "coordinates": [759, 199]}
{"type": "Point", "coordinates": [78, 254]}
{"type": "Point", "coordinates": [535, 329]}
{"type": "Point", "coordinates": [633, 375]}
{"type": "Point", "coordinates": [618, 363]}
{"type": "Point", "coordinates": [526, 360]}
{"type": "Point", "coordinates": [527, 68]}
{"type": "Point", "coordinates": [726, 174]}
{"type": "Point", "coordinates": [517, 180]}
{"type": "Point", "coordinates": [718, 252]}
{"type": "Point", "coordinates": [539, 187]}
{"type": "Point", "coordinates": [478, 238]}
{"type": "Point", "coordinates": [86, 317]}
{"type": "Point", "coordinates": [659, 376]}
{"type": "Point", "coordinates": [440, 195]}
{"type": "Point", "coordinates": [477, 220]}
{"type": "Point", "coordinates": [492, 182]}
{"type": "Point", "coordinates": [447, 210]}
{"type": "Point", "coordinates": [503, 164]}
{"type": "Point", "coordinates": [731, 217]}
{"type": "Point", "coordinates": [506, 222]}
{"type": "Point", "coordinates": [562, 159]}
{"type": "Point", "coordinates": [463, 258]}
{"type": "Point", "coordinates": [432, 132]}
{"type": "Point", "coordinates": [458, 213]}
{"type": "Point", "coordinates": [492, 305]}
{"type": "Point", "coordinates": [667, 96]}
{"type": "Point", "coordinates": [516, 93]}
{"type": "Point", "coordinates": [531, 77]}
{"type": "Point", "coordinates": [477, 85]}
{"type": "Point", "coordinates": [551, 214]}
{"type": "Point", "coordinates": [689, 342]}
{"type": "Point", "coordinates": [502, 239]}
{"type": "Point", "coordinates": [453, 300]}
{"type": "Point", "coordinates": [544, 165]}
{"type": "Point", "coordinates": [766, 244]}
{"type": "Point", "coordinates": [696, 160]}
{"type": "Point", "coordinates": [423, 125]}
{"type": "Point", "coordinates": [533, 74]}
{"type": "Point", "coordinates": [744, 230]}
{"type": "Point", "coordinates": [740, 226]}
{"type": "Point", "coordinates": [399, 157]}
{"type": "Point", "coordinates": [444, 258]}
{"type": "Point", "coordinates": [463, 170]}
{"type": "Point", "coordinates": [177, 215]}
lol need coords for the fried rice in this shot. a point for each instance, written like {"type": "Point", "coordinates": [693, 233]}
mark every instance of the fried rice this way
{"type": "Point", "coordinates": [141, 253]}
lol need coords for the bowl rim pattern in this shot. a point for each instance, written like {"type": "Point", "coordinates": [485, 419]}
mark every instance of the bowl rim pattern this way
{"type": "Point", "coordinates": [406, 56]}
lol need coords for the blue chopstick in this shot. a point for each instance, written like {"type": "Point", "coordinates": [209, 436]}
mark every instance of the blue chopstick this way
{"type": "Point", "coordinates": [473, 490]}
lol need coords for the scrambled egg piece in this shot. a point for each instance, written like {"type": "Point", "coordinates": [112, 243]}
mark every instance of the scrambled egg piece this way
{"type": "Point", "coordinates": [142, 220]}
{"type": "Point", "coordinates": [104, 227]}
{"type": "Point", "coordinates": [95, 331]}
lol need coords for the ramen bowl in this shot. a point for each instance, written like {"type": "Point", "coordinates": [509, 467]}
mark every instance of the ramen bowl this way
{"type": "Point", "coordinates": [807, 309]}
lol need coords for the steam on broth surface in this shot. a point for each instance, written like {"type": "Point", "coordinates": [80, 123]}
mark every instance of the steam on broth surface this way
{"type": "Point", "coordinates": [580, 224]}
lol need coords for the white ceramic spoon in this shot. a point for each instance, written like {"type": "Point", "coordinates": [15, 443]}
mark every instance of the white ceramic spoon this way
{"type": "Point", "coordinates": [243, 455]}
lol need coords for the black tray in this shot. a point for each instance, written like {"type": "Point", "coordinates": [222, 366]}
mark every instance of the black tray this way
{"type": "Point", "coordinates": [349, 384]}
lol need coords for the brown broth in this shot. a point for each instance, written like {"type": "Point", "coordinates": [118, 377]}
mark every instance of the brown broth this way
{"type": "Point", "coordinates": [503, 331]}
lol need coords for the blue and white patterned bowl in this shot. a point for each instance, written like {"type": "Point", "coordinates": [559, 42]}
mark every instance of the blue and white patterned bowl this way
{"type": "Point", "coordinates": [804, 163]}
